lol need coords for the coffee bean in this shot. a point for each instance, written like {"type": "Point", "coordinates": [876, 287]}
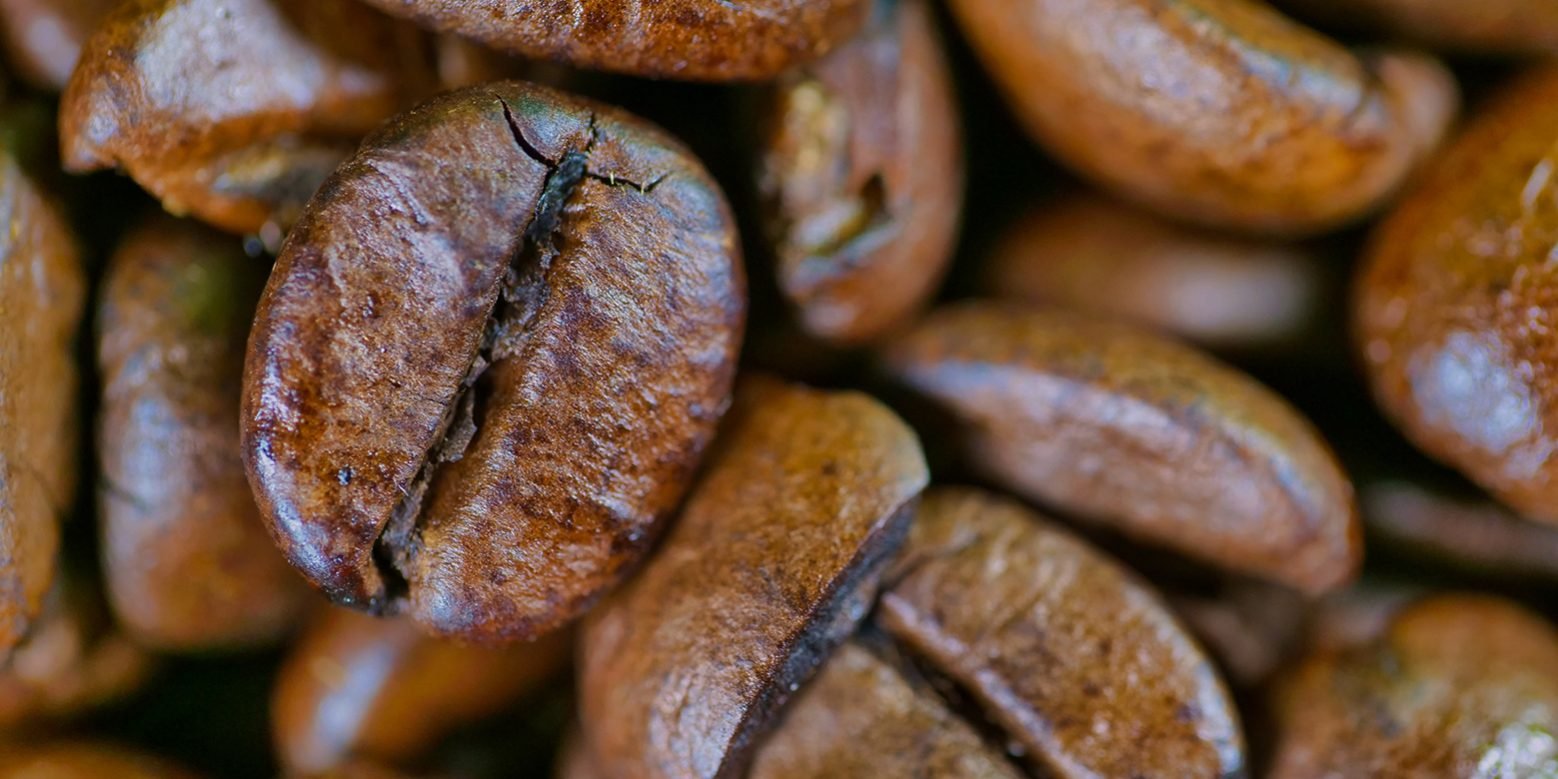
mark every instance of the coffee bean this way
{"type": "Point", "coordinates": [1075, 659]}
{"type": "Point", "coordinates": [360, 686]}
{"type": "Point", "coordinates": [1496, 26]}
{"type": "Point", "coordinates": [773, 563]}
{"type": "Point", "coordinates": [1217, 111]}
{"type": "Point", "coordinates": [1452, 314]}
{"type": "Point", "coordinates": [688, 39]}
{"type": "Point", "coordinates": [489, 358]}
{"type": "Point", "coordinates": [42, 38]}
{"type": "Point", "coordinates": [862, 173]}
{"type": "Point", "coordinates": [83, 760]}
{"type": "Point", "coordinates": [1449, 532]}
{"type": "Point", "coordinates": [1098, 256]}
{"type": "Point", "coordinates": [41, 295]}
{"type": "Point", "coordinates": [1458, 686]}
{"type": "Point", "coordinates": [861, 717]}
{"type": "Point", "coordinates": [1137, 433]}
{"type": "Point", "coordinates": [187, 560]}
{"type": "Point", "coordinates": [283, 98]}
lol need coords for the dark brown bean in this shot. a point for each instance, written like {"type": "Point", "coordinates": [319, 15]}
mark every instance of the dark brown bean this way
{"type": "Point", "coordinates": [860, 718]}
{"type": "Point", "coordinates": [489, 358]}
{"type": "Point", "coordinates": [1453, 311]}
{"type": "Point", "coordinates": [862, 173]}
{"type": "Point", "coordinates": [1217, 111]}
{"type": "Point", "coordinates": [1476, 536]}
{"type": "Point", "coordinates": [187, 560]}
{"type": "Point", "coordinates": [361, 686]}
{"type": "Point", "coordinates": [1094, 255]}
{"type": "Point", "coordinates": [1460, 686]}
{"type": "Point", "coordinates": [43, 38]}
{"type": "Point", "coordinates": [688, 39]}
{"type": "Point", "coordinates": [1500, 26]}
{"type": "Point", "coordinates": [773, 562]}
{"type": "Point", "coordinates": [1139, 433]}
{"type": "Point", "coordinates": [1072, 655]}
{"type": "Point", "coordinates": [1252, 628]}
{"type": "Point", "coordinates": [283, 97]}
{"type": "Point", "coordinates": [42, 290]}
{"type": "Point", "coordinates": [575, 759]}
{"type": "Point", "coordinates": [83, 760]}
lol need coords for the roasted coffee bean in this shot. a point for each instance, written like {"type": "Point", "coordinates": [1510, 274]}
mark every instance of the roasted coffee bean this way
{"type": "Point", "coordinates": [489, 358]}
{"type": "Point", "coordinates": [1460, 686]}
{"type": "Point", "coordinates": [187, 560]}
{"type": "Point", "coordinates": [1476, 536]}
{"type": "Point", "coordinates": [575, 760]}
{"type": "Point", "coordinates": [1357, 615]}
{"type": "Point", "coordinates": [282, 97]}
{"type": "Point", "coordinates": [1252, 628]}
{"type": "Point", "coordinates": [773, 563]}
{"type": "Point", "coordinates": [862, 718]}
{"type": "Point", "coordinates": [1055, 639]}
{"type": "Point", "coordinates": [1094, 255]}
{"type": "Point", "coordinates": [361, 686]}
{"type": "Point", "coordinates": [1218, 111]}
{"type": "Point", "coordinates": [1454, 306]}
{"type": "Point", "coordinates": [862, 173]}
{"type": "Point", "coordinates": [359, 769]}
{"type": "Point", "coordinates": [1499, 26]}
{"type": "Point", "coordinates": [41, 295]}
{"type": "Point", "coordinates": [73, 660]}
{"type": "Point", "coordinates": [81, 760]}
{"type": "Point", "coordinates": [1138, 433]}
{"type": "Point", "coordinates": [687, 39]}
{"type": "Point", "coordinates": [42, 38]}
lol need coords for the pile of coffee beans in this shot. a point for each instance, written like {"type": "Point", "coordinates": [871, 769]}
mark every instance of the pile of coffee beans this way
{"type": "Point", "coordinates": [696, 389]}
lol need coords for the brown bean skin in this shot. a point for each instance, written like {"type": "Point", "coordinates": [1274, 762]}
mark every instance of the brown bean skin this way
{"type": "Point", "coordinates": [1252, 628]}
{"type": "Point", "coordinates": [187, 560]}
{"type": "Point", "coordinates": [1494, 26]}
{"type": "Point", "coordinates": [774, 560]}
{"type": "Point", "coordinates": [1460, 686]}
{"type": "Point", "coordinates": [1138, 433]}
{"type": "Point", "coordinates": [1094, 255]}
{"type": "Point", "coordinates": [1217, 111]}
{"type": "Point", "coordinates": [575, 760]}
{"type": "Point", "coordinates": [1476, 536]}
{"type": "Point", "coordinates": [1076, 659]}
{"type": "Point", "coordinates": [861, 171]}
{"type": "Point", "coordinates": [284, 98]}
{"type": "Point", "coordinates": [362, 686]}
{"type": "Point", "coordinates": [43, 38]}
{"type": "Point", "coordinates": [42, 290]}
{"type": "Point", "coordinates": [1453, 314]}
{"type": "Point", "coordinates": [860, 718]}
{"type": "Point", "coordinates": [704, 40]}
{"type": "Point", "coordinates": [83, 760]}
{"type": "Point", "coordinates": [74, 659]}
{"type": "Point", "coordinates": [595, 311]}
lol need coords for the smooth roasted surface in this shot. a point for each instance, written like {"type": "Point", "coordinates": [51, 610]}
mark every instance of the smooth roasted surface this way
{"type": "Point", "coordinates": [361, 686]}
{"type": "Point", "coordinates": [41, 296]}
{"type": "Point", "coordinates": [283, 98]}
{"type": "Point", "coordinates": [705, 40]}
{"type": "Point", "coordinates": [861, 718]}
{"type": "Point", "coordinates": [1138, 433]}
{"type": "Point", "coordinates": [861, 171]}
{"type": "Point", "coordinates": [773, 562]}
{"type": "Point", "coordinates": [1454, 310]}
{"type": "Point", "coordinates": [1459, 686]}
{"type": "Point", "coordinates": [1217, 111]}
{"type": "Point", "coordinates": [1470, 534]}
{"type": "Point", "coordinates": [1074, 657]}
{"type": "Point", "coordinates": [187, 560]}
{"type": "Point", "coordinates": [43, 38]}
{"type": "Point", "coordinates": [1494, 26]}
{"type": "Point", "coordinates": [480, 415]}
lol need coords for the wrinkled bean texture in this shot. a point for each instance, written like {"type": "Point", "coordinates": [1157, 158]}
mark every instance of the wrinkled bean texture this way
{"type": "Point", "coordinates": [862, 176]}
{"type": "Point", "coordinates": [42, 291]}
{"type": "Point", "coordinates": [706, 40]}
{"type": "Point", "coordinates": [1137, 433]}
{"type": "Point", "coordinates": [1217, 111]}
{"type": "Point", "coordinates": [187, 560]}
{"type": "Point", "coordinates": [1454, 311]}
{"type": "Point", "coordinates": [42, 38]}
{"type": "Point", "coordinates": [480, 415]}
{"type": "Point", "coordinates": [773, 563]}
{"type": "Point", "coordinates": [283, 98]}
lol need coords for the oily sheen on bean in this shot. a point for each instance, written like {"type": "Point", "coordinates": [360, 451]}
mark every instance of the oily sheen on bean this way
{"type": "Point", "coordinates": [1138, 433]}
{"type": "Point", "coordinates": [479, 416]}
{"type": "Point", "coordinates": [861, 172]}
{"type": "Point", "coordinates": [772, 564]}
